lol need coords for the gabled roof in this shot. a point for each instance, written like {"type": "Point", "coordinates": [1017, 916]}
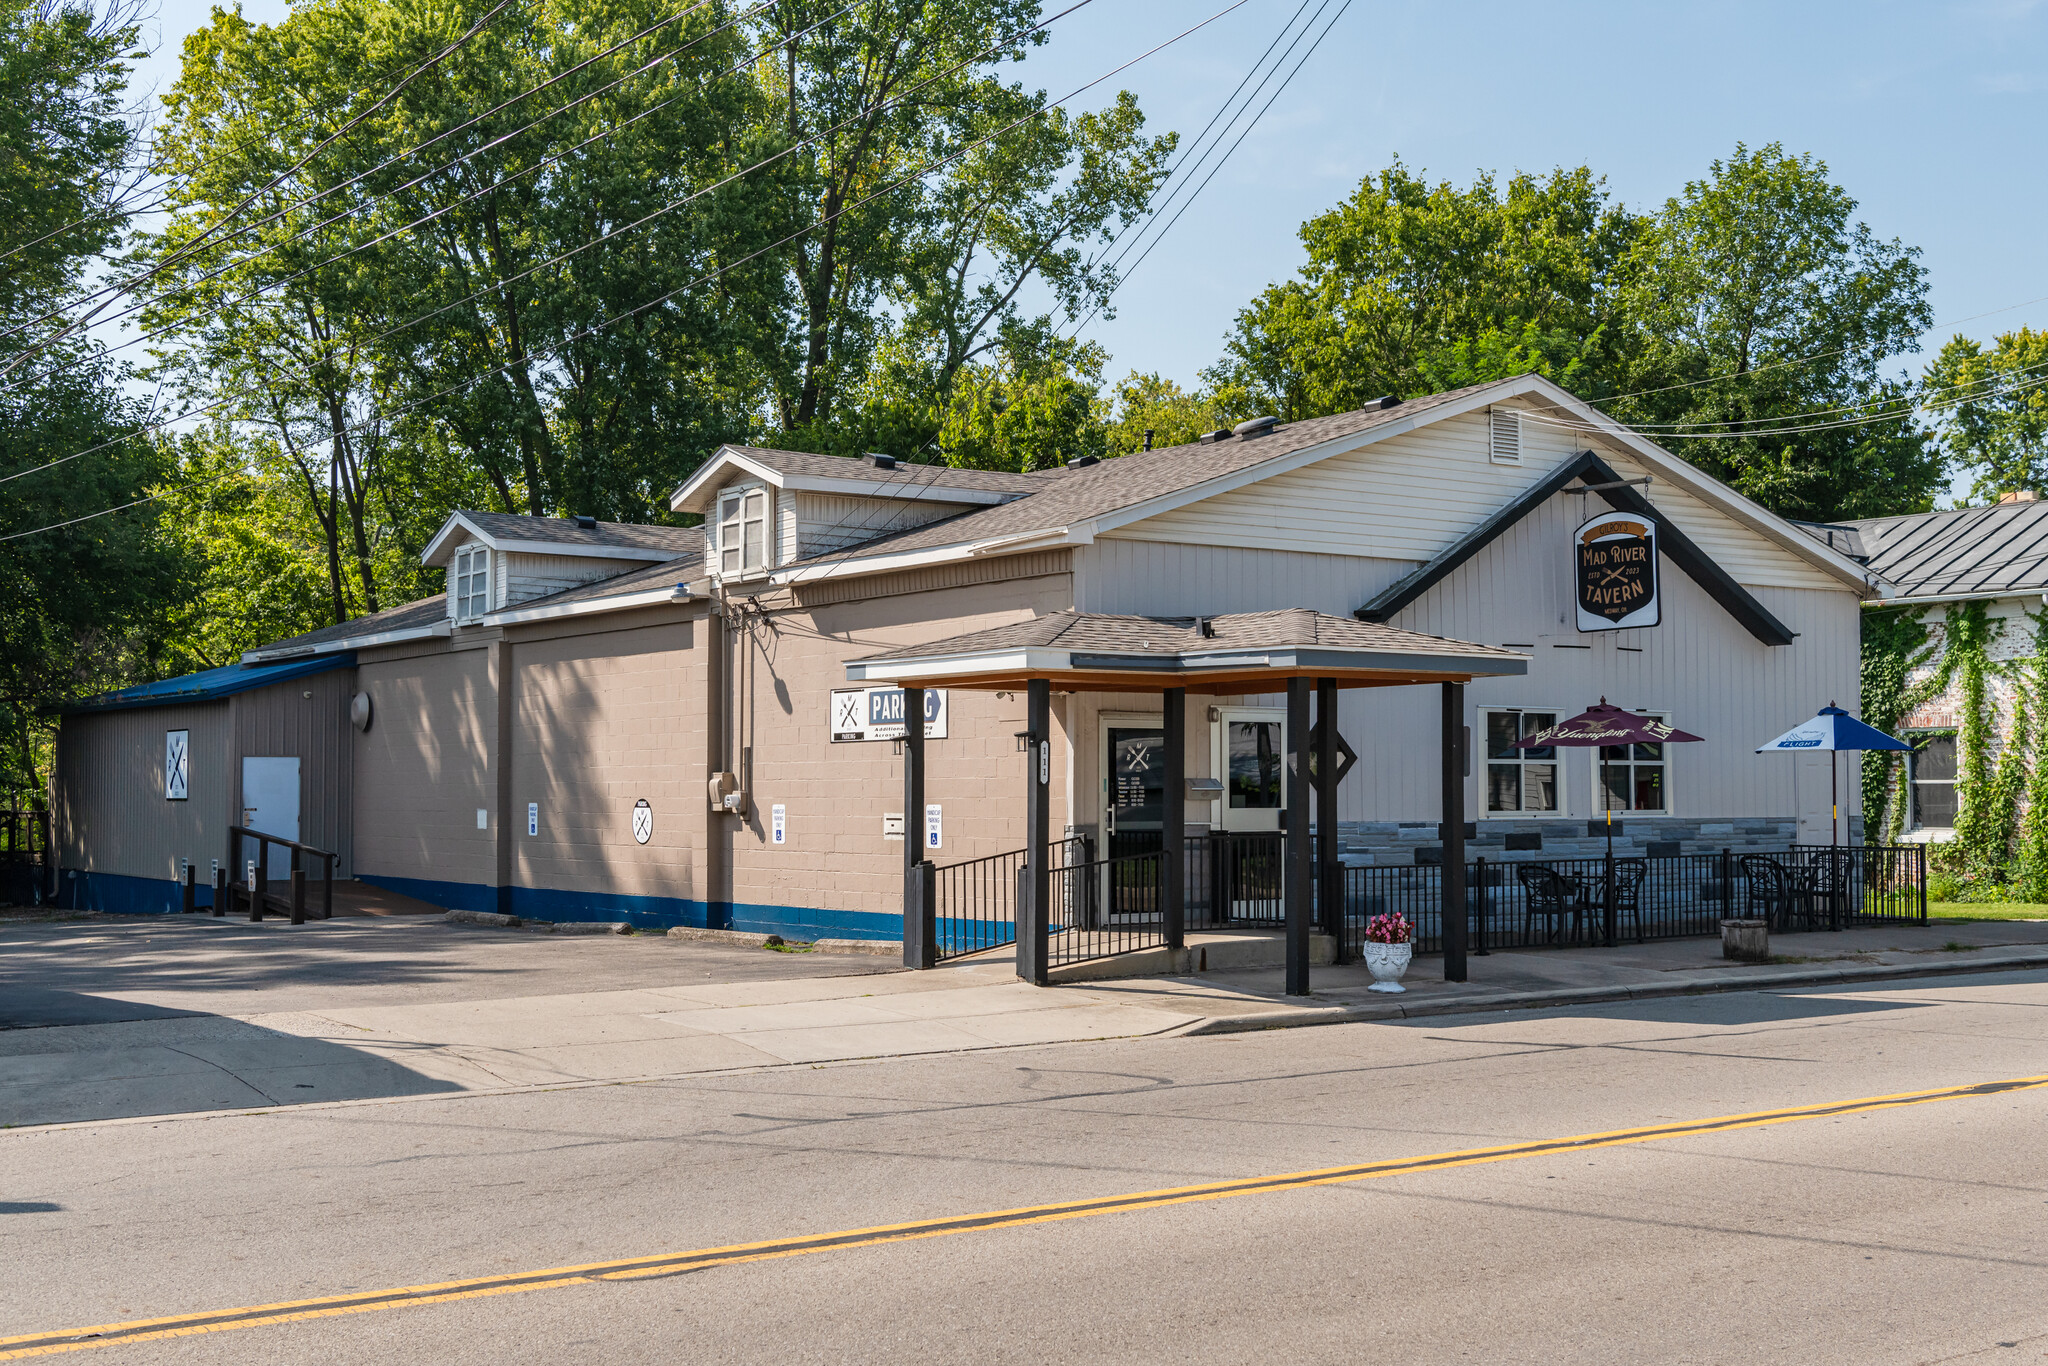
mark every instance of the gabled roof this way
{"type": "Point", "coordinates": [1084, 503]}
{"type": "Point", "coordinates": [559, 536]}
{"type": "Point", "coordinates": [1219, 653]}
{"type": "Point", "coordinates": [1985, 552]}
{"type": "Point", "coordinates": [208, 685]}
{"type": "Point", "coordinates": [856, 476]}
{"type": "Point", "coordinates": [1590, 470]}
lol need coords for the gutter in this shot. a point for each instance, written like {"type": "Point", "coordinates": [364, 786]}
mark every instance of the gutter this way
{"type": "Point", "coordinates": [652, 597]}
{"type": "Point", "coordinates": [439, 628]}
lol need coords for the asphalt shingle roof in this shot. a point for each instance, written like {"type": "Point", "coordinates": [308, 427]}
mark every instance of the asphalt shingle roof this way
{"type": "Point", "coordinates": [1107, 633]}
{"type": "Point", "coordinates": [424, 612]}
{"type": "Point", "coordinates": [806, 463]}
{"type": "Point", "coordinates": [1967, 551]}
{"type": "Point", "coordinates": [1128, 480]}
{"type": "Point", "coordinates": [563, 531]}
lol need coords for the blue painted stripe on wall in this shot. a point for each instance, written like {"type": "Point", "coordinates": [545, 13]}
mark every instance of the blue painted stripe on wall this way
{"type": "Point", "coordinates": [121, 894]}
{"type": "Point", "coordinates": [652, 912]}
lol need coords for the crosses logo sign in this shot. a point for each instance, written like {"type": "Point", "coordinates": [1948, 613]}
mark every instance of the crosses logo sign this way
{"type": "Point", "coordinates": [1616, 569]}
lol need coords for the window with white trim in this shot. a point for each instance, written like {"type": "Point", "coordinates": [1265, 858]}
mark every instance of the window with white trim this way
{"type": "Point", "coordinates": [1518, 779]}
{"type": "Point", "coordinates": [743, 532]}
{"type": "Point", "coordinates": [469, 583]}
{"type": "Point", "coordinates": [1931, 775]}
{"type": "Point", "coordinates": [1633, 777]}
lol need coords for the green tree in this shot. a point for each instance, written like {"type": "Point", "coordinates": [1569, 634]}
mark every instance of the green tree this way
{"type": "Point", "coordinates": [1151, 404]}
{"type": "Point", "coordinates": [1992, 412]}
{"type": "Point", "coordinates": [1412, 287]}
{"type": "Point", "coordinates": [1761, 316]}
{"type": "Point", "coordinates": [82, 606]}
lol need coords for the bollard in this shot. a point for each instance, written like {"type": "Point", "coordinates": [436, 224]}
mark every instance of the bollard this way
{"type": "Point", "coordinates": [190, 891]}
{"type": "Point", "coordinates": [298, 896]}
{"type": "Point", "coordinates": [220, 891]}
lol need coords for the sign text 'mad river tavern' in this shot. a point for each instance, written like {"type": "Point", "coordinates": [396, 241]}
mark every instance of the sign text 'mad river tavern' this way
{"type": "Point", "coordinates": [1616, 571]}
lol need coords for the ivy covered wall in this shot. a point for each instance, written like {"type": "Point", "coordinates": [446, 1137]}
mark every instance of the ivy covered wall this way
{"type": "Point", "coordinates": [1975, 669]}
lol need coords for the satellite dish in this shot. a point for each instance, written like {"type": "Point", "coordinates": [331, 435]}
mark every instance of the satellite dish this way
{"type": "Point", "coordinates": [359, 711]}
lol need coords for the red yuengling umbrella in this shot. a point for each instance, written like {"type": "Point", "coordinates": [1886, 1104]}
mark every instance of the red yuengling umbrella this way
{"type": "Point", "coordinates": [1603, 725]}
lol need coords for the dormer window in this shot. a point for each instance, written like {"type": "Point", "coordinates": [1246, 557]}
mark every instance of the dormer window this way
{"type": "Point", "coordinates": [469, 583]}
{"type": "Point", "coordinates": [743, 532]}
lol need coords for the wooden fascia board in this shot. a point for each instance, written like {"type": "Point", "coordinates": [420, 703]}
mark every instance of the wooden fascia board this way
{"type": "Point", "coordinates": [1673, 543]}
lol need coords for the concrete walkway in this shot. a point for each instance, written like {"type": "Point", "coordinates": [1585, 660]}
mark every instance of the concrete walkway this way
{"type": "Point", "coordinates": [148, 1017]}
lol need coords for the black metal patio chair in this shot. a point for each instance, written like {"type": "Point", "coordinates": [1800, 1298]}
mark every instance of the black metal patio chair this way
{"type": "Point", "coordinates": [1824, 887]}
{"type": "Point", "coordinates": [1550, 894]}
{"type": "Point", "coordinates": [1773, 892]}
{"type": "Point", "coordinates": [1629, 876]}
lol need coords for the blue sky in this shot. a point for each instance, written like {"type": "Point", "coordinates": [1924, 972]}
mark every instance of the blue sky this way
{"type": "Point", "coordinates": [1930, 115]}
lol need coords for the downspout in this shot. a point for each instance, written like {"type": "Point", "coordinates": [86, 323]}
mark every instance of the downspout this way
{"type": "Point", "coordinates": [715, 871]}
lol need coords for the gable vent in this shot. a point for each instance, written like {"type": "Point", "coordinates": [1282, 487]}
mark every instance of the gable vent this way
{"type": "Point", "coordinates": [1505, 447]}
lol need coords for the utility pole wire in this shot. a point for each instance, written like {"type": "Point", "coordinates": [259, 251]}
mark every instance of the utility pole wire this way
{"type": "Point", "coordinates": [294, 169]}
{"type": "Point", "coordinates": [656, 302]}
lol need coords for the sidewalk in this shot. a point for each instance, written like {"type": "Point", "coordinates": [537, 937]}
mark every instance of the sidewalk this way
{"type": "Point", "coordinates": [164, 1034]}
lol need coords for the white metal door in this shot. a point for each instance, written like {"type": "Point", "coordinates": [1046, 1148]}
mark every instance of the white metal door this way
{"type": "Point", "coordinates": [1251, 759]}
{"type": "Point", "coordinates": [270, 803]}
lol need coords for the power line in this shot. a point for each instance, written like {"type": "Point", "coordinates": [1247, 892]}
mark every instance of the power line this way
{"type": "Point", "coordinates": [293, 170]}
{"type": "Point", "coordinates": [1189, 151]}
{"type": "Point", "coordinates": [664, 298]}
{"type": "Point", "coordinates": [541, 165]}
{"type": "Point", "coordinates": [118, 289]}
{"type": "Point", "coordinates": [1185, 204]}
{"type": "Point", "coordinates": [630, 227]}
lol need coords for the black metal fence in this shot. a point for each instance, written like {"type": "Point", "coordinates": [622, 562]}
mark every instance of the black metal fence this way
{"type": "Point", "coordinates": [1106, 906]}
{"type": "Point", "coordinates": [978, 899]}
{"type": "Point", "coordinates": [25, 863]}
{"type": "Point", "coordinates": [1519, 904]}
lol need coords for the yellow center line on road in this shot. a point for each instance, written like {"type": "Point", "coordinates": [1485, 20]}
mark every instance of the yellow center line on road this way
{"type": "Point", "coordinates": [668, 1264]}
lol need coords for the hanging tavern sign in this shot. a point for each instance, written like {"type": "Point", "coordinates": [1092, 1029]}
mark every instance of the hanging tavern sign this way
{"type": "Point", "coordinates": [1614, 562]}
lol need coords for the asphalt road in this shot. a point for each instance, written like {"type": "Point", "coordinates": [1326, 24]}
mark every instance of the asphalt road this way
{"type": "Point", "coordinates": [1910, 1234]}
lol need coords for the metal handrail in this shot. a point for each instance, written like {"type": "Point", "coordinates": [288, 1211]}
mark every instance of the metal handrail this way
{"type": "Point", "coordinates": [257, 890]}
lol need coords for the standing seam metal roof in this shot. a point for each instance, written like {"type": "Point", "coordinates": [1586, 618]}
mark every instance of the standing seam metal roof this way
{"type": "Point", "coordinates": [1966, 552]}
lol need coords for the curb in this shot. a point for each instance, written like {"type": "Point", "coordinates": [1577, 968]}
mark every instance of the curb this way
{"type": "Point", "coordinates": [866, 948]}
{"type": "Point", "coordinates": [1303, 1016]}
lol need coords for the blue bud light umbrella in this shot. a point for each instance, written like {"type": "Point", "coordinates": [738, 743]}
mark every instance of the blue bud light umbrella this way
{"type": "Point", "coordinates": [1832, 730]}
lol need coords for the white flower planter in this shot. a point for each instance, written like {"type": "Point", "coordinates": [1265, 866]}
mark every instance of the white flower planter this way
{"type": "Point", "coordinates": [1386, 963]}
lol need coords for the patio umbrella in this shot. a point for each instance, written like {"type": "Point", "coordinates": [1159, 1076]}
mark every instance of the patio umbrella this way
{"type": "Point", "coordinates": [1833, 730]}
{"type": "Point", "coordinates": [1602, 726]}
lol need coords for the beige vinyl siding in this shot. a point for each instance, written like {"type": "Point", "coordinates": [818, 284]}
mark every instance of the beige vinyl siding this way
{"type": "Point", "coordinates": [283, 721]}
{"type": "Point", "coordinates": [424, 767]}
{"type": "Point", "coordinates": [521, 577]}
{"type": "Point", "coordinates": [1750, 556]}
{"type": "Point", "coordinates": [1162, 579]}
{"type": "Point", "coordinates": [1411, 497]}
{"type": "Point", "coordinates": [1711, 676]}
{"type": "Point", "coordinates": [1406, 497]}
{"type": "Point", "coordinates": [824, 522]}
{"type": "Point", "coordinates": [108, 811]}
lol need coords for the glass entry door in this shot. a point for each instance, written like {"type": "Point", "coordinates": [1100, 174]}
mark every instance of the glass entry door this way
{"type": "Point", "coordinates": [1133, 812]}
{"type": "Point", "coordinates": [1251, 759]}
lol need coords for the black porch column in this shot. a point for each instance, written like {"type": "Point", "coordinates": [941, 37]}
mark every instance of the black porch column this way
{"type": "Point", "coordinates": [1454, 832]}
{"type": "Point", "coordinates": [1034, 910]}
{"type": "Point", "coordinates": [1173, 824]}
{"type": "Point", "coordinates": [1297, 868]}
{"type": "Point", "coordinates": [920, 925]}
{"type": "Point", "coordinates": [1329, 871]}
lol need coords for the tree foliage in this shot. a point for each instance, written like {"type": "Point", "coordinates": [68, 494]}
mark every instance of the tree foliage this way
{"type": "Point", "coordinates": [1994, 414]}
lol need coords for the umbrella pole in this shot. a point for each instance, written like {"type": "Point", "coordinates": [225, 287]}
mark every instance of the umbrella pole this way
{"type": "Point", "coordinates": [1607, 909]}
{"type": "Point", "coordinates": [1834, 801]}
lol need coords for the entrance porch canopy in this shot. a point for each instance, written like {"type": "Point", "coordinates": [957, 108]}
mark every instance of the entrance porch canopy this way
{"type": "Point", "coordinates": [1242, 653]}
{"type": "Point", "coordinates": [1246, 653]}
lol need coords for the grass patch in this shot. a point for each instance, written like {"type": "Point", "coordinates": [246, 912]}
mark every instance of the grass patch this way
{"type": "Point", "coordinates": [1958, 946]}
{"type": "Point", "coordinates": [775, 943]}
{"type": "Point", "coordinates": [1985, 910]}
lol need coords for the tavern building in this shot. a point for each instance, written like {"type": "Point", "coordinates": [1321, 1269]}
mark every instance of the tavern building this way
{"type": "Point", "coordinates": [704, 726]}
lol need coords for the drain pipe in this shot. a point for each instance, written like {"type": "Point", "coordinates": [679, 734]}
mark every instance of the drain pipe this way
{"type": "Point", "coordinates": [715, 694]}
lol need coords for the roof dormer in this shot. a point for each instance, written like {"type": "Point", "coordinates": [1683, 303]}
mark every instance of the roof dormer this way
{"type": "Point", "coordinates": [497, 560]}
